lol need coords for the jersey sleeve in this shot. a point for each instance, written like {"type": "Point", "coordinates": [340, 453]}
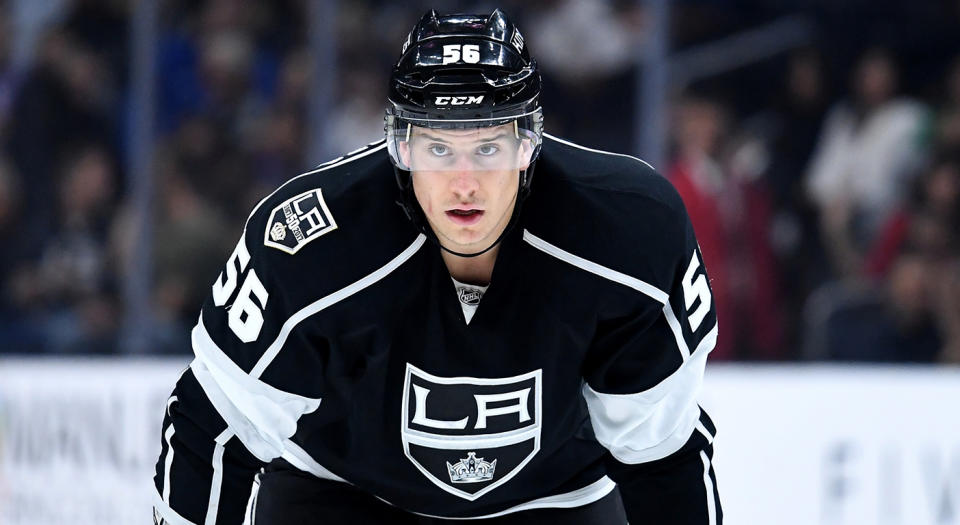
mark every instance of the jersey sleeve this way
{"type": "Point", "coordinates": [643, 378]}
{"type": "Point", "coordinates": [223, 421]}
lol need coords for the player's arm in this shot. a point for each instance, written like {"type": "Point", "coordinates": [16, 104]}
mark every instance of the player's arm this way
{"type": "Point", "coordinates": [223, 422]}
{"type": "Point", "coordinates": [204, 472]}
{"type": "Point", "coordinates": [642, 384]}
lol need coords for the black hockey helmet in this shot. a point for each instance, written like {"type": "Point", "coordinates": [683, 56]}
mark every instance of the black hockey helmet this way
{"type": "Point", "coordinates": [464, 72]}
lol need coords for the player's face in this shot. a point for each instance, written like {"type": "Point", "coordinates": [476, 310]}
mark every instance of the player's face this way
{"type": "Point", "coordinates": [466, 181]}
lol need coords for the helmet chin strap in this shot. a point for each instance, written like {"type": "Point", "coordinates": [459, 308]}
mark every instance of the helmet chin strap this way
{"type": "Point", "coordinates": [413, 211]}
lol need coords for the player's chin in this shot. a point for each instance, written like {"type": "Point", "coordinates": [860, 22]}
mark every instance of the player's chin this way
{"type": "Point", "coordinates": [467, 240]}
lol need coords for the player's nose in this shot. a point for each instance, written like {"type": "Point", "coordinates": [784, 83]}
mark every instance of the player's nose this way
{"type": "Point", "coordinates": [464, 182]}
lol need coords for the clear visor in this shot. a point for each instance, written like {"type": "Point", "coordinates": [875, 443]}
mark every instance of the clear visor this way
{"type": "Point", "coordinates": [492, 144]}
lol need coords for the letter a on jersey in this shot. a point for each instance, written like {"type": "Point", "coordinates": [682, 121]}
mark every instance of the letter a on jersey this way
{"type": "Point", "coordinates": [297, 221]}
{"type": "Point", "coordinates": [470, 435]}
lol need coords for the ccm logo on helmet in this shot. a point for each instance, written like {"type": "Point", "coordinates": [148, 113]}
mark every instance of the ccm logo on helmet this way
{"type": "Point", "coordinates": [458, 101]}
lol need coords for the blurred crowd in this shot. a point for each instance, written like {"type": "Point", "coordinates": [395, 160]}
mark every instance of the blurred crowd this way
{"type": "Point", "coordinates": [824, 190]}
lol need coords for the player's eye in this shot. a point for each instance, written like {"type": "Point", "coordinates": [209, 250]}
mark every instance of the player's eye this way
{"type": "Point", "coordinates": [487, 150]}
{"type": "Point", "coordinates": [439, 150]}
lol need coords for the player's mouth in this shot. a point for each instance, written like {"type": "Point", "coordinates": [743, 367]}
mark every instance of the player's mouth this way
{"type": "Point", "coordinates": [465, 217]}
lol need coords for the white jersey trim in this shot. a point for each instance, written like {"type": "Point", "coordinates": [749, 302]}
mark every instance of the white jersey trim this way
{"type": "Point", "coordinates": [645, 288]}
{"type": "Point", "coordinates": [169, 515]}
{"type": "Point", "coordinates": [300, 459]}
{"type": "Point", "coordinates": [577, 498]}
{"type": "Point", "coordinates": [568, 143]}
{"type": "Point", "coordinates": [271, 352]}
{"type": "Point", "coordinates": [706, 433]}
{"type": "Point", "coordinates": [607, 273]}
{"type": "Point", "coordinates": [651, 425]}
{"type": "Point", "coordinates": [170, 402]}
{"type": "Point", "coordinates": [250, 513]}
{"type": "Point", "coordinates": [262, 416]}
{"type": "Point", "coordinates": [168, 461]}
{"type": "Point", "coordinates": [235, 419]}
{"type": "Point", "coordinates": [216, 484]}
{"type": "Point", "coordinates": [708, 485]}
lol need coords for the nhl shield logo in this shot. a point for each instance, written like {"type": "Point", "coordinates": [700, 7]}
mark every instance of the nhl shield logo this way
{"type": "Point", "coordinates": [470, 435]}
{"type": "Point", "coordinates": [298, 221]}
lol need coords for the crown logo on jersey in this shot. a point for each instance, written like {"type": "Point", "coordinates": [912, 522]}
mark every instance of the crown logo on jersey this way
{"type": "Point", "coordinates": [278, 232]}
{"type": "Point", "coordinates": [471, 469]}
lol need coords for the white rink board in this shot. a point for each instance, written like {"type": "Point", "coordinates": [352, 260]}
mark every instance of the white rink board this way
{"type": "Point", "coordinates": [79, 439]}
{"type": "Point", "coordinates": [797, 445]}
{"type": "Point", "coordinates": [837, 445]}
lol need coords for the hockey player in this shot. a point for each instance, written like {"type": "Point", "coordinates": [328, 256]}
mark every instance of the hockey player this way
{"type": "Point", "coordinates": [499, 347]}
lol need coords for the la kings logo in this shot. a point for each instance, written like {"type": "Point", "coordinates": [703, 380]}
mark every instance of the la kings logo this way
{"type": "Point", "coordinates": [470, 435]}
{"type": "Point", "coordinates": [298, 221]}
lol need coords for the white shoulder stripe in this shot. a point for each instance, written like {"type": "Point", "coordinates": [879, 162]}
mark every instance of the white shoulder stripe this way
{"type": "Point", "coordinates": [350, 157]}
{"type": "Point", "coordinates": [274, 348]}
{"type": "Point", "coordinates": [607, 273]}
{"type": "Point", "coordinates": [568, 143]}
{"type": "Point", "coordinates": [674, 324]}
{"type": "Point", "coordinates": [647, 289]}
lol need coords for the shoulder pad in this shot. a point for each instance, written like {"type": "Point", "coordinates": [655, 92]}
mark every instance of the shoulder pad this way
{"type": "Point", "coordinates": [302, 209]}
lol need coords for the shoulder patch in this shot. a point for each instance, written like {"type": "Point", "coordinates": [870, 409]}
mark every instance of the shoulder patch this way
{"type": "Point", "coordinates": [297, 221]}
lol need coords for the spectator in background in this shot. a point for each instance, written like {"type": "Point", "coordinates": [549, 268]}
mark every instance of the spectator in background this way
{"type": "Point", "coordinates": [910, 311]}
{"type": "Point", "coordinates": [8, 77]}
{"type": "Point", "coordinates": [70, 291]}
{"type": "Point", "coordinates": [898, 324]}
{"type": "Point", "coordinates": [868, 151]}
{"type": "Point", "coordinates": [277, 148]}
{"type": "Point", "coordinates": [793, 123]}
{"type": "Point", "coordinates": [16, 332]}
{"type": "Point", "coordinates": [729, 208]}
{"type": "Point", "coordinates": [227, 104]}
{"type": "Point", "coordinates": [588, 48]}
{"type": "Point", "coordinates": [216, 63]}
{"type": "Point", "coordinates": [786, 134]}
{"type": "Point", "coordinates": [103, 27]}
{"type": "Point", "coordinates": [189, 238]}
{"type": "Point", "coordinates": [942, 248]}
{"type": "Point", "coordinates": [930, 222]}
{"type": "Point", "coordinates": [278, 140]}
{"type": "Point", "coordinates": [947, 307]}
{"type": "Point", "coordinates": [948, 116]}
{"type": "Point", "coordinates": [216, 164]}
{"type": "Point", "coordinates": [359, 119]}
{"type": "Point", "coordinates": [293, 84]}
{"type": "Point", "coordinates": [226, 59]}
{"type": "Point", "coordinates": [65, 99]}
{"type": "Point", "coordinates": [10, 231]}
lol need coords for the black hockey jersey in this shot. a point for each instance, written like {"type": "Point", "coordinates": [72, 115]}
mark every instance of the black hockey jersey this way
{"type": "Point", "coordinates": [336, 339]}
